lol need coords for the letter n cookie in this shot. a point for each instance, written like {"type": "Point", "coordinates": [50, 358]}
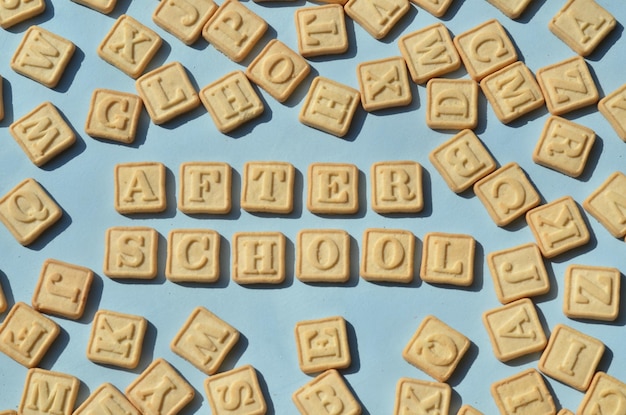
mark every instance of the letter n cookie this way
{"type": "Point", "coordinates": [160, 386]}
{"type": "Point", "coordinates": [27, 211]}
{"type": "Point", "coordinates": [420, 396]}
{"type": "Point", "coordinates": [608, 204]}
{"type": "Point", "coordinates": [140, 187]}
{"type": "Point", "coordinates": [323, 255]}
{"type": "Point", "coordinates": [116, 339]}
{"type": "Point", "coordinates": [205, 340]}
{"type": "Point", "coordinates": [388, 255]}
{"type": "Point", "coordinates": [333, 188]}
{"type": "Point", "coordinates": [604, 393]}
{"type": "Point", "coordinates": [322, 344]}
{"type": "Point", "coordinates": [592, 292]}
{"type": "Point", "coordinates": [113, 115]}
{"type": "Point", "coordinates": [436, 348]}
{"type": "Point", "coordinates": [131, 252]}
{"type": "Point", "coordinates": [258, 258]}
{"type": "Point", "coordinates": [328, 389]}
{"type": "Point", "coordinates": [224, 392]}
{"type": "Point", "coordinates": [525, 393]}
{"type": "Point", "coordinates": [47, 392]}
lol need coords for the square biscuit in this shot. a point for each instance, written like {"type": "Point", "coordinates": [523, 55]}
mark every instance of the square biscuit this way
{"type": "Point", "coordinates": [107, 397]}
{"type": "Point", "coordinates": [103, 6]}
{"type": "Point", "coordinates": [321, 30]}
{"type": "Point", "coordinates": [322, 344]}
{"type": "Point", "coordinates": [377, 17]}
{"type": "Point", "coordinates": [258, 258]}
{"type": "Point", "coordinates": [160, 382]}
{"type": "Point", "coordinates": [511, 8]}
{"type": "Point", "coordinates": [113, 115]}
{"type": "Point", "coordinates": [27, 211]}
{"type": "Point", "coordinates": [558, 226]}
{"type": "Point", "coordinates": [140, 187]}
{"type": "Point", "coordinates": [220, 386]}
{"type": "Point", "coordinates": [567, 85]}
{"type": "Point", "coordinates": [384, 83]}
{"type": "Point", "coordinates": [231, 101]}
{"type": "Point", "coordinates": [234, 30]}
{"type": "Point", "coordinates": [429, 52]}
{"type": "Point", "coordinates": [514, 330]}
{"type": "Point", "coordinates": [268, 187]}
{"type": "Point", "coordinates": [116, 339]}
{"type": "Point", "coordinates": [42, 394]}
{"type": "Point", "coordinates": [43, 133]}
{"type": "Point", "coordinates": [524, 393]}
{"type": "Point", "coordinates": [564, 146]}
{"type": "Point", "coordinates": [333, 188]}
{"type": "Point", "coordinates": [193, 255]}
{"type": "Point", "coordinates": [598, 397]}
{"type": "Point", "coordinates": [205, 340]}
{"type": "Point", "coordinates": [468, 410]}
{"type": "Point", "coordinates": [278, 70]}
{"type": "Point", "coordinates": [205, 187]}
{"type": "Point", "coordinates": [62, 289]}
{"type": "Point", "coordinates": [310, 398]}
{"type": "Point", "coordinates": [592, 292]}
{"type": "Point", "coordinates": [518, 272]}
{"type": "Point", "coordinates": [167, 92]}
{"type": "Point", "coordinates": [421, 396]}
{"type": "Point", "coordinates": [462, 160]}
{"type": "Point", "coordinates": [571, 357]}
{"type": "Point", "coordinates": [436, 348]}
{"type": "Point", "coordinates": [131, 252]}
{"type": "Point", "coordinates": [129, 46]}
{"type": "Point", "coordinates": [26, 335]}
{"type": "Point", "coordinates": [42, 56]}
{"type": "Point", "coordinates": [397, 187]}
{"type": "Point", "coordinates": [512, 92]}
{"type": "Point", "coordinates": [388, 255]}
{"type": "Point", "coordinates": [448, 259]}
{"type": "Point", "coordinates": [485, 48]}
{"type": "Point", "coordinates": [451, 104]}
{"type": "Point", "coordinates": [184, 18]}
{"type": "Point", "coordinates": [437, 8]}
{"type": "Point", "coordinates": [22, 10]}
{"type": "Point", "coordinates": [323, 255]}
{"type": "Point", "coordinates": [329, 106]}
{"type": "Point", "coordinates": [582, 25]}
{"type": "Point", "coordinates": [3, 301]}
{"type": "Point", "coordinates": [613, 108]}
{"type": "Point", "coordinates": [607, 204]}
{"type": "Point", "coordinates": [507, 194]}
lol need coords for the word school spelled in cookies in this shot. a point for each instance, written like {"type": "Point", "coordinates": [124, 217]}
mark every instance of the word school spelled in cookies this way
{"type": "Point", "coordinates": [464, 121]}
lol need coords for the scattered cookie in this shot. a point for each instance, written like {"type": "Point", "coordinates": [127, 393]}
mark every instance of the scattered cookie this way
{"type": "Point", "coordinates": [204, 340]}
{"type": "Point", "coordinates": [429, 52]}
{"type": "Point", "coordinates": [234, 30]}
{"type": "Point", "coordinates": [43, 133]}
{"type": "Point", "coordinates": [329, 106]}
{"type": "Point", "coordinates": [113, 115]}
{"type": "Point", "coordinates": [571, 357]}
{"type": "Point", "coordinates": [592, 292]}
{"type": "Point", "coordinates": [607, 204]}
{"type": "Point", "coordinates": [333, 188]}
{"type": "Point", "coordinates": [27, 211]}
{"type": "Point", "coordinates": [565, 412]}
{"type": "Point", "coordinates": [131, 252]}
{"type": "Point", "coordinates": [397, 187]}
{"type": "Point", "coordinates": [436, 348]}
{"type": "Point", "coordinates": [220, 387]}
{"type": "Point", "coordinates": [377, 17]}
{"type": "Point", "coordinates": [3, 301]}
{"type": "Point", "coordinates": [468, 410]}
{"type": "Point", "coordinates": [140, 187]}
{"type": "Point", "coordinates": [602, 394]}
{"type": "Point", "coordinates": [514, 330]}
{"type": "Point", "coordinates": [451, 104]}
{"type": "Point", "coordinates": [160, 386]}
{"type": "Point", "coordinates": [62, 289]}
{"type": "Point", "coordinates": [558, 226]}
{"type": "Point", "coordinates": [511, 8]}
{"type": "Point", "coordinates": [448, 259]}
{"type": "Point", "coordinates": [184, 18]}
{"type": "Point", "coordinates": [268, 187]}
{"type": "Point", "coordinates": [524, 393]}
{"type": "Point", "coordinates": [310, 399]}
{"type": "Point", "coordinates": [12, 13]}
{"type": "Point", "coordinates": [518, 272]}
{"type": "Point", "coordinates": [103, 6]}
{"type": "Point", "coordinates": [116, 339]}
{"type": "Point", "coordinates": [567, 85]}
{"type": "Point", "coordinates": [321, 30]}
{"type": "Point", "coordinates": [462, 160]}
{"type": "Point", "coordinates": [205, 187]}
{"type": "Point", "coordinates": [193, 255]}
{"type": "Point", "coordinates": [582, 25]}
{"type": "Point", "coordinates": [612, 107]}
{"type": "Point", "coordinates": [42, 393]}
{"type": "Point", "coordinates": [322, 344]}
{"type": "Point", "coordinates": [231, 101]}
{"type": "Point", "coordinates": [167, 92]}
{"type": "Point", "coordinates": [437, 7]}
{"type": "Point", "coordinates": [323, 255]}
{"type": "Point", "coordinates": [420, 396]}
{"type": "Point", "coordinates": [384, 83]}
{"type": "Point", "coordinates": [109, 398]}
{"type": "Point", "coordinates": [42, 55]}
{"type": "Point", "coordinates": [26, 335]}
{"type": "Point", "coordinates": [129, 46]}
{"type": "Point", "coordinates": [388, 255]}
{"type": "Point", "coordinates": [258, 258]}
